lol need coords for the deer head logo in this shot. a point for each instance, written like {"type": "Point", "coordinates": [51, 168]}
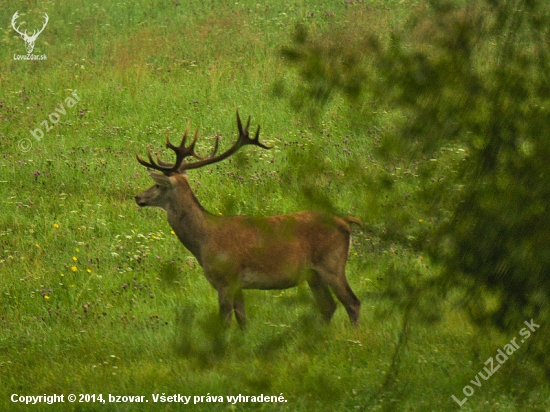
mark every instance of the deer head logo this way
{"type": "Point", "coordinates": [29, 40]}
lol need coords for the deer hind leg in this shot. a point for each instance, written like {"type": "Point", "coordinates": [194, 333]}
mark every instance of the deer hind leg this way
{"type": "Point", "coordinates": [337, 281]}
{"type": "Point", "coordinates": [238, 307]}
{"type": "Point", "coordinates": [322, 296]}
{"type": "Point", "coordinates": [343, 292]}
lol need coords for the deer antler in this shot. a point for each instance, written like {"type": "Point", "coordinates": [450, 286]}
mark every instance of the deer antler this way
{"type": "Point", "coordinates": [182, 151]}
{"type": "Point", "coordinates": [242, 140]}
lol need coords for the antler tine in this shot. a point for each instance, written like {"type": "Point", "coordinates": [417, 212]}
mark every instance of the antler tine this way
{"type": "Point", "coordinates": [140, 160]}
{"type": "Point", "coordinates": [239, 124]}
{"type": "Point", "coordinates": [183, 140]}
{"type": "Point", "coordinates": [151, 161]}
{"type": "Point", "coordinates": [163, 163]}
{"type": "Point", "coordinates": [152, 164]}
{"type": "Point", "coordinates": [191, 147]}
{"type": "Point", "coordinates": [216, 144]}
{"type": "Point", "coordinates": [256, 140]}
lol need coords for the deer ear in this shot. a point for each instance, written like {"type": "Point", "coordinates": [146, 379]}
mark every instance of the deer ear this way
{"type": "Point", "coordinates": [160, 179]}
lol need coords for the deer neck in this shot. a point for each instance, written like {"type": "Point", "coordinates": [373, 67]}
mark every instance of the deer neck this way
{"type": "Point", "coordinates": [189, 220]}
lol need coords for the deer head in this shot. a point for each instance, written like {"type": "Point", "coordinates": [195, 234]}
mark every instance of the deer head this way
{"type": "Point", "coordinates": [173, 175]}
{"type": "Point", "coordinates": [182, 151]}
{"type": "Point", "coordinates": [29, 40]}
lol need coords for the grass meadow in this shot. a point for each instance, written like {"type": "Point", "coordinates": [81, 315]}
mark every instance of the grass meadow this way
{"type": "Point", "coordinates": [97, 296]}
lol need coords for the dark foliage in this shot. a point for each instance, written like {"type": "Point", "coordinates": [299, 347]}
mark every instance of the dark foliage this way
{"type": "Point", "coordinates": [469, 85]}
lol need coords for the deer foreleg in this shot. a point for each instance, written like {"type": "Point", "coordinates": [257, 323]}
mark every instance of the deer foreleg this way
{"type": "Point", "coordinates": [225, 299]}
{"type": "Point", "coordinates": [238, 306]}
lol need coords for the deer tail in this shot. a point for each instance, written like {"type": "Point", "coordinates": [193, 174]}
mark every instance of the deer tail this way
{"type": "Point", "coordinates": [351, 219]}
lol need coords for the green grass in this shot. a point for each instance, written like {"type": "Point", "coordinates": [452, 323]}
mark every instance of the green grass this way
{"type": "Point", "coordinates": [97, 295]}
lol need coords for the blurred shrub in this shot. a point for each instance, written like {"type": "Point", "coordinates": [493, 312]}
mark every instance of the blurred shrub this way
{"type": "Point", "coordinates": [464, 175]}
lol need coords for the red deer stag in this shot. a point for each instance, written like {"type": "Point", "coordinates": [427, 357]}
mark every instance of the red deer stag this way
{"type": "Point", "coordinates": [241, 252]}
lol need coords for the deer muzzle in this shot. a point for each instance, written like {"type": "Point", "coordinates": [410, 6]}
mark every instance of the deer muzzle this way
{"type": "Point", "coordinates": [140, 201]}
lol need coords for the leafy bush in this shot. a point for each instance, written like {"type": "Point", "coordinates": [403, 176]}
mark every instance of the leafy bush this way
{"type": "Point", "coordinates": [463, 174]}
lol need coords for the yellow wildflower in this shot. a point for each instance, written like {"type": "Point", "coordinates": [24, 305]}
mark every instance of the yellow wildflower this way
{"type": "Point", "coordinates": [73, 268]}
{"type": "Point", "coordinates": [89, 270]}
{"type": "Point", "coordinates": [75, 258]}
{"type": "Point", "coordinates": [46, 297]}
{"type": "Point", "coordinates": [56, 226]}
